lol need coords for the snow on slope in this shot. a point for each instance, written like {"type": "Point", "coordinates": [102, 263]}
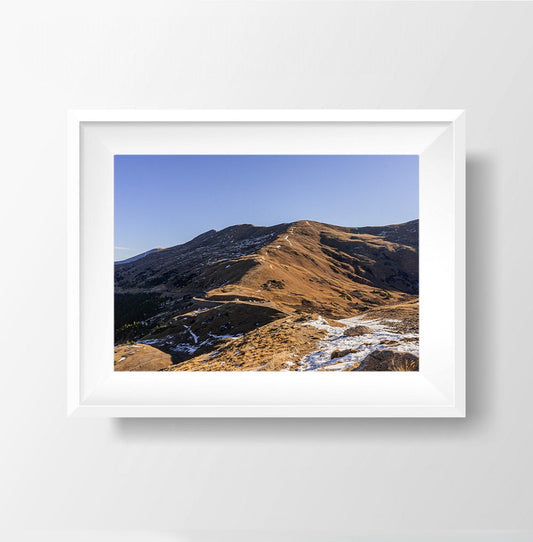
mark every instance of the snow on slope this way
{"type": "Point", "coordinates": [363, 344]}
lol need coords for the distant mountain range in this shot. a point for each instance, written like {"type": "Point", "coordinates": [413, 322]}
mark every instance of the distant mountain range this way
{"type": "Point", "coordinates": [180, 304]}
{"type": "Point", "coordinates": [138, 256]}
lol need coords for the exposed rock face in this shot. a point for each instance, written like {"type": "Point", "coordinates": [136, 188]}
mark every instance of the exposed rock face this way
{"type": "Point", "coordinates": [389, 360]}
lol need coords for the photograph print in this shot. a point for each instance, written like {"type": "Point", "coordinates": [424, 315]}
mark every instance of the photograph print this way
{"type": "Point", "coordinates": [266, 263]}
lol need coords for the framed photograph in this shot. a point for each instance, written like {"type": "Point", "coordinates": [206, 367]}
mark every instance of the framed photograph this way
{"type": "Point", "coordinates": [266, 263]}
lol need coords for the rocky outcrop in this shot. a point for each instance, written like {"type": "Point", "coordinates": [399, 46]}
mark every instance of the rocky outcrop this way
{"type": "Point", "coordinates": [389, 360]}
{"type": "Point", "coordinates": [357, 331]}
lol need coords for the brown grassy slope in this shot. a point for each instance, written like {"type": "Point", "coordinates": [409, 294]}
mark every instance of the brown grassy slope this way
{"type": "Point", "coordinates": [140, 357]}
{"type": "Point", "coordinates": [407, 315]}
{"type": "Point", "coordinates": [195, 333]}
{"type": "Point", "coordinates": [315, 267]}
{"type": "Point", "coordinates": [324, 256]}
{"type": "Point", "coordinates": [272, 347]}
{"type": "Point", "coordinates": [205, 262]}
{"type": "Point", "coordinates": [280, 344]}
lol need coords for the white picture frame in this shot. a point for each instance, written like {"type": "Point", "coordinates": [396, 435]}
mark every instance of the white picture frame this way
{"type": "Point", "coordinates": [437, 390]}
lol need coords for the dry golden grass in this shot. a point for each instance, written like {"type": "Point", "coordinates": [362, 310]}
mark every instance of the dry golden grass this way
{"type": "Point", "coordinates": [140, 357]}
{"type": "Point", "coordinates": [405, 365]}
{"type": "Point", "coordinates": [272, 347]}
{"type": "Point", "coordinates": [315, 267]}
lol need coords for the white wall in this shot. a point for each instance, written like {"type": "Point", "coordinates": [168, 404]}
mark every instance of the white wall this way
{"type": "Point", "coordinates": [162, 477]}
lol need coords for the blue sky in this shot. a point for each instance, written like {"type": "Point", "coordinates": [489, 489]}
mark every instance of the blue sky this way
{"type": "Point", "coordinates": [165, 200]}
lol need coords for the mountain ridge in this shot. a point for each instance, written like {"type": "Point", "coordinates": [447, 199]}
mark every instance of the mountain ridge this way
{"type": "Point", "coordinates": [204, 235]}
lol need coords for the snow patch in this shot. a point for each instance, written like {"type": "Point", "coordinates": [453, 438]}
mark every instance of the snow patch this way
{"type": "Point", "coordinates": [184, 347]}
{"type": "Point", "coordinates": [193, 335]}
{"type": "Point", "coordinates": [362, 345]}
{"type": "Point", "coordinates": [286, 238]}
{"type": "Point", "coordinates": [225, 336]}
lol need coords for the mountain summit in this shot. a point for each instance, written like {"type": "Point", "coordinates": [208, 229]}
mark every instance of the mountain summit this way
{"type": "Point", "coordinates": [189, 300]}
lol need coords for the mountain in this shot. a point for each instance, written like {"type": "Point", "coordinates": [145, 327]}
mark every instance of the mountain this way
{"type": "Point", "coordinates": [248, 283]}
{"type": "Point", "coordinates": [138, 257]}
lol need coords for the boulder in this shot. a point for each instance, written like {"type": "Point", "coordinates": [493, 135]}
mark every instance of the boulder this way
{"type": "Point", "coordinates": [341, 353]}
{"type": "Point", "coordinates": [389, 360]}
{"type": "Point", "coordinates": [357, 331]}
